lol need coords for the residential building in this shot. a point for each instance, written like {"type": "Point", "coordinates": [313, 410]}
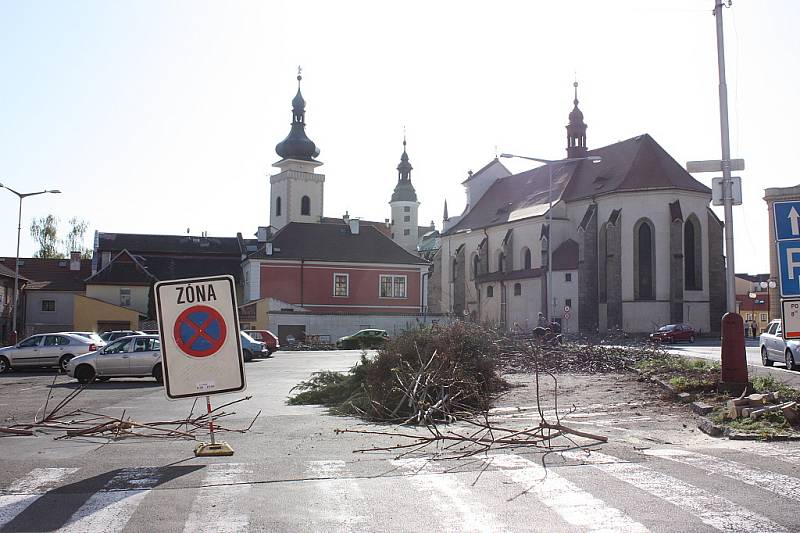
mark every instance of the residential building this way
{"type": "Point", "coordinates": [753, 301]}
{"type": "Point", "coordinates": [7, 276]}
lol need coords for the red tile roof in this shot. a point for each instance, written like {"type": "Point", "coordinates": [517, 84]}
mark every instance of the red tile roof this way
{"type": "Point", "coordinates": [51, 274]}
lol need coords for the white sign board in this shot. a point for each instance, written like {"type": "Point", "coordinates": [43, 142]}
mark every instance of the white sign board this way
{"type": "Point", "coordinates": [714, 165]}
{"type": "Point", "coordinates": [200, 344]}
{"type": "Point", "coordinates": [791, 318]}
{"type": "Point", "coordinates": [718, 192]}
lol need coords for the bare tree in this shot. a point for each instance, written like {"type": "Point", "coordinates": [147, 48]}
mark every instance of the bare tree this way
{"type": "Point", "coordinates": [45, 231]}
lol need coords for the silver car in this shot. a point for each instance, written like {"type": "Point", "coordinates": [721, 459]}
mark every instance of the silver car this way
{"type": "Point", "coordinates": [46, 349]}
{"type": "Point", "coordinates": [775, 348]}
{"type": "Point", "coordinates": [134, 356]}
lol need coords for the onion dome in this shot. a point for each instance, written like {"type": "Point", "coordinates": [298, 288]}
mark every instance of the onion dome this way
{"type": "Point", "coordinates": [404, 191]}
{"type": "Point", "coordinates": [297, 145]}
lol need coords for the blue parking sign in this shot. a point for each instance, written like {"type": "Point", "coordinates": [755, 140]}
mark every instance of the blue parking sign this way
{"type": "Point", "coordinates": [789, 267]}
{"type": "Point", "coordinates": [787, 220]}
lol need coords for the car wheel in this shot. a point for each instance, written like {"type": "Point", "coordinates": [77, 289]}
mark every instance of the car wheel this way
{"type": "Point", "coordinates": [158, 373]}
{"type": "Point", "coordinates": [248, 356]}
{"type": "Point", "coordinates": [764, 359]}
{"type": "Point", "coordinates": [790, 360]}
{"type": "Point", "coordinates": [5, 366]}
{"type": "Point", "coordinates": [269, 352]}
{"type": "Point", "coordinates": [84, 374]}
{"type": "Point", "coordinates": [62, 363]}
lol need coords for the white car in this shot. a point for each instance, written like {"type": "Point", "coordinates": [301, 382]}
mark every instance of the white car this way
{"type": "Point", "coordinates": [45, 349]}
{"type": "Point", "coordinates": [775, 348]}
{"type": "Point", "coordinates": [133, 356]}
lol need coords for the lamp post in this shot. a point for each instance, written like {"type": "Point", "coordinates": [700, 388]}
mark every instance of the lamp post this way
{"type": "Point", "coordinates": [550, 163]}
{"type": "Point", "coordinates": [21, 196]}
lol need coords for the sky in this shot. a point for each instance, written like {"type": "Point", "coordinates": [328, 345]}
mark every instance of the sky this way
{"type": "Point", "coordinates": [162, 116]}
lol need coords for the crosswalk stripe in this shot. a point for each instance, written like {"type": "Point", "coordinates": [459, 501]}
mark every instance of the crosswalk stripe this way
{"type": "Point", "coordinates": [217, 504]}
{"type": "Point", "coordinates": [111, 508]}
{"type": "Point", "coordinates": [341, 496]}
{"type": "Point", "coordinates": [460, 511]}
{"type": "Point", "coordinates": [573, 504]}
{"type": "Point", "coordinates": [718, 512]}
{"type": "Point", "coordinates": [779, 484]}
{"type": "Point", "coordinates": [785, 452]}
{"type": "Point", "coordinates": [37, 480]}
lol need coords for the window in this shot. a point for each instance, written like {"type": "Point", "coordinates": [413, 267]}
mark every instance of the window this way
{"type": "Point", "coordinates": [517, 289]}
{"type": "Point", "coordinates": [305, 205]}
{"type": "Point", "coordinates": [644, 266]}
{"type": "Point", "coordinates": [48, 306]}
{"type": "Point", "coordinates": [501, 262]}
{"type": "Point", "coordinates": [455, 268]}
{"type": "Point", "coordinates": [407, 209]}
{"type": "Point", "coordinates": [692, 255]}
{"type": "Point", "coordinates": [763, 317]}
{"type": "Point", "coordinates": [568, 303]}
{"type": "Point", "coordinates": [772, 328]}
{"type": "Point", "coordinates": [341, 285]}
{"type": "Point", "coordinates": [475, 265]}
{"type": "Point", "coordinates": [568, 277]}
{"type": "Point", "coordinates": [31, 342]}
{"type": "Point", "coordinates": [278, 206]}
{"type": "Point", "coordinates": [393, 286]}
{"type": "Point", "coordinates": [125, 297]}
{"type": "Point", "coordinates": [121, 346]}
{"type": "Point", "coordinates": [489, 291]}
{"type": "Point", "coordinates": [749, 316]}
{"type": "Point", "coordinates": [526, 259]}
{"type": "Point", "coordinates": [406, 218]}
{"type": "Point", "coordinates": [406, 232]}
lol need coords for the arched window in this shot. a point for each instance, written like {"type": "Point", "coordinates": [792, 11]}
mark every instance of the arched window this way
{"type": "Point", "coordinates": [489, 291]}
{"type": "Point", "coordinates": [501, 262]}
{"type": "Point", "coordinates": [692, 254]}
{"type": "Point", "coordinates": [278, 206]}
{"type": "Point", "coordinates": [455, 267]}
{"type": "Point", "coordinates": [305, 205]}
{"type": "Point", "coordinates": [526, 259]}
{"type": "Point", "coordinates": [475, 265]}
{"type": "Point", "coordinates": [644, 263]}
{"type": "Point", "coordinates": [517, 289]}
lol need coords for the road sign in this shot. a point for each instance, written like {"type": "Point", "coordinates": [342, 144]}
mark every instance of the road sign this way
{"type": "Point", "coordinates": [200, 345]}
{"type": "Point", "coordinates": [567, 316]}
{"type": "Point", "coordinates": [718, 192]}
{"type": "Point", "coordinates": [789, 267]}
{"type": "Point", "coordinates": [566, 309]}
{"type": "Point", "coordinates": [787, 220]}
{"type": "Point", "coordinates": [714, 165]}
{"type": "Point", "coordinates": [791, 318]}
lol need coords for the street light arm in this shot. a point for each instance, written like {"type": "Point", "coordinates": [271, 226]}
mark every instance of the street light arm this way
{"type": "Point", "coordinates": [537, 159]}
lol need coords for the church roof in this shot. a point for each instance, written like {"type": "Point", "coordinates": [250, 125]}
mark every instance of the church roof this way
{"type": "Point", "coordinates": [335, 242]}
{"type": "Point", "coordinates": [637, 164]}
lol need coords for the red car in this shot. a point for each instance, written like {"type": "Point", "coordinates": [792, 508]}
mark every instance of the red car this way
{"type": "Point", "coordinates": [267, 337]}
{"type": "Point", "coordinates": [674, 333]}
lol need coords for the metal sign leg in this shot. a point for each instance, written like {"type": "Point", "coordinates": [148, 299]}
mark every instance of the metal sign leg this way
{"type": "Point", "coordinates": [214, 449]}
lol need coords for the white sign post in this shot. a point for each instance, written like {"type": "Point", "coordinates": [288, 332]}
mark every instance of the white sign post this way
{"type": "Point", "coordinates": [200, 344]}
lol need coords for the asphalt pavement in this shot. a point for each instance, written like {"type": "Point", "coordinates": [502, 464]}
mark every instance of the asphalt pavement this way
{"type": "Point", "coordinates": [293, 472]}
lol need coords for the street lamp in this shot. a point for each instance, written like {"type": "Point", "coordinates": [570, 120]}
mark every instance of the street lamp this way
{"type": "Point", "coordinates": [16, 261]}
{"type": "Point", "coordinates": [550, 163]}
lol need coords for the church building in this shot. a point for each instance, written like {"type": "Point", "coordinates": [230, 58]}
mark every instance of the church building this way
{"type": "Point", "coordinates": [622, 236]}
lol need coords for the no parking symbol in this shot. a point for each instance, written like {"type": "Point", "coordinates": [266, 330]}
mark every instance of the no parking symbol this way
{"type": "Point", "coordinates": [200, 331]}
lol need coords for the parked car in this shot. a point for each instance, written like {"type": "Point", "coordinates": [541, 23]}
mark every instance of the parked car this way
{"type": "Point", "coordinates": [46, 349]}
{"type": "Point", "coordinates": [252, 348]}
{"type": "Point", "coordinates": [366, 338]}
{"type": "Point", "coordinates": [91, 335]}
{"type": "Point", "coordinates": [267, 337]}
{"type": "Point", "coordinates": [674, 333]}
{"type": "Point", "coordinates": [775, 348]}
{"type": "Point", "coordinates": [133, 356]}
{"type": "Point", "coordinates": [109, 336]}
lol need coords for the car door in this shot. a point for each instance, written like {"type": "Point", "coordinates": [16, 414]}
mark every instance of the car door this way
{"type": "Point", "coordinates": [777, 343]}
{"type": "Point", "coordinates": [52, 349]}
{"type": "Point", "coordinates": [26, 352]}
{"type": "Point", "coordinates": [144, 355]}
{"type": "Point", "coordinates": [114, 360]}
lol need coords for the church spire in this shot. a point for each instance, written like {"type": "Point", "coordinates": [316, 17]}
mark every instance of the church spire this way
{"type": "Point", "coordinates": [404, 191]}
{"type": "Point", "coordinates": [446, 216]}
{"type": "Point", "coordinates": [297, 145]}
{"type": "Point", "coordinates": [404, 168]}
{"type": "Point", "coordinates": [576, 130]}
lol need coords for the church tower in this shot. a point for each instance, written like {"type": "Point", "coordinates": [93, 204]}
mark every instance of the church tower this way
{"type": "Point", "coordinates": [296, 192]}
{"type": "Point", "coordinates": [405, 230]}
{"type": "Point", "coordinates": [576, 130]}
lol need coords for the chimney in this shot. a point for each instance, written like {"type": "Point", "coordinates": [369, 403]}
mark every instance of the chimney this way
{"type": "Point", "coordinates": [354, 226]}
{"type": "Point", "coordinates": [262, 234]}
{"type": "Point", "coordinates": [74, 260]}
{"type": "Point", "coordinates": [346, 217]}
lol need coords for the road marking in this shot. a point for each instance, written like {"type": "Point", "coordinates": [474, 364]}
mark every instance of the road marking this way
{"type": "Point", "coordinates": [37, 480]}
{"type": "Point", "coordinates": [715, 511]}
{"type": "Point", "coordinates": [342, 497]}
{"type": "Point", "coordinates": [460, 511]}
{"type": "Point", "coordinates": [217, 504]}
{"type": "Point", "coordinates": [573, 504]}
{"type": "Point", "coordinates": [110, 509]}
{"type": "Point", "coordinates": [786, 452]}
{"type": "Point", "coordinates": [782, 485]}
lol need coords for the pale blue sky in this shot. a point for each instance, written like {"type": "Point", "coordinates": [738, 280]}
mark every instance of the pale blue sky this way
{"type": "Point", "coordinates": [161, 116]}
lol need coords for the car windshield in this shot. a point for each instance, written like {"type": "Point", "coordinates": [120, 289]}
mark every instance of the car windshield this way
{"type": "Point", "coordinates": [667, 328]}
{"type": "Point", "coordinates": [247, 337]}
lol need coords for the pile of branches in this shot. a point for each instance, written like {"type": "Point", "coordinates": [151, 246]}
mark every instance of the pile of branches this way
{"type": "Point", "coordinates": [66, 424]}
{"type": "Point", "coordinates": [519, 354]}
{"type": "Point", "coordinates": [423, 375]}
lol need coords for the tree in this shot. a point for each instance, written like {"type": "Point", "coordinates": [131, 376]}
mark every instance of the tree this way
{"type": "Point", "coordinates": [74, 239]}
{"type": "Point", "coordinates": [45, 231]}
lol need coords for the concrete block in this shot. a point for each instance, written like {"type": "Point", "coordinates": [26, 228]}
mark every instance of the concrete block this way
{"type": "Point", "coordinates": [702, 408]}
{"type": "Point", "coordinates": [685, 397]}
{"type": "Point", "coordinates": [709, 428]}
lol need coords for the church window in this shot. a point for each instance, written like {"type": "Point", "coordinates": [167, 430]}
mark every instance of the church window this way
{"type": "Point", "coordinates": [406, 218]}
{"type": "Point", "coordinates": [278, 206]}
{"type": "Point", "coordinates": [489, 291]}
{"type": "Point", "coordinates": [501, 262]}
{"type": "Point", "coordinates": [602, 255]}
{"type": "Point", "coordinates": [305, 205]}
{"type": "Point", "coordinates": [692, 255]}
{"type": "Point", "coordinates": [644, 264]}
{"type": "Point", "coordinates": [407, 209]}
{"type": "Point", "coordinates": [517, 289]}
{"type": "Point", "coordinates": [341, 285]}
{"type": "Point", "coordinates": [455, 268]}
{"type": "Point", "coordinates": [406, 232]}
{"type": "Point", "coordinates": [526, 259]}
{"type": "Point", "coordinates": [475, 265]}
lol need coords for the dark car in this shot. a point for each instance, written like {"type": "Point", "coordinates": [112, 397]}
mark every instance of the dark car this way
{"type": "Point", "coordinates": [674, 333]}
{"type": "Point", "coordinates": [366, 338]}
